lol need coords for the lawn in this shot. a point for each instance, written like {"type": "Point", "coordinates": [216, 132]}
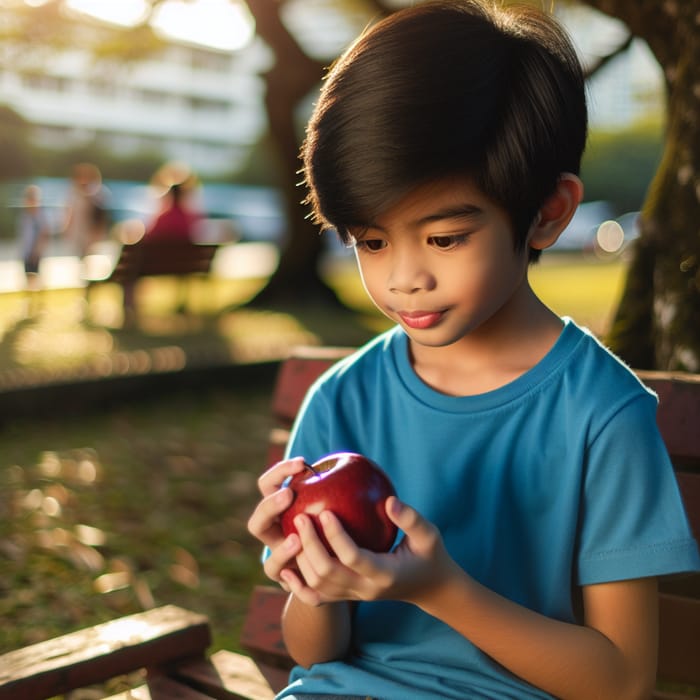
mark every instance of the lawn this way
{"type": "Point", "coordinates": [142, 504]}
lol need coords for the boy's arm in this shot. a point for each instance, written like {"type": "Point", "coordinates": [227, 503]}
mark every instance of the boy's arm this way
{"type": "Point", "coordinates": [316, 634]}
{"type": "Point", "coordinates": [612, 655]}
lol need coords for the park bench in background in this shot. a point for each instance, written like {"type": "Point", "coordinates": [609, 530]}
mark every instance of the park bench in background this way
{"type": "Point", "coordinates": [171, 643]}
{"type": "Point", "coordinates": [180, 259]}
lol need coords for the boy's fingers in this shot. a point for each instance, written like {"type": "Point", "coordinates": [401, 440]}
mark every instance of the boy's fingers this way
{"type": "Point", "coordinates": [420, 532]}
{"type": "Point", "coordinates": [295, 585]}
{"type": "Point", "coordinates": [281, 556]}
{"type": "Point", "coordinates": [343, 545]}
{"type": "Point", "coordinates": [272, 479]}
{"type": "Point", "coordinates": [266, 514]}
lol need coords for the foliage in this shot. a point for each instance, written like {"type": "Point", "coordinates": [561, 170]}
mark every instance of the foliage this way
{"type": "Point", "coordinates": [58, 163]}
{"type": "Point", "coordinates": [619, 165]}
{"type": "Point", "coordinates": [14, 144]}
{"type": "Point", "coordinates": [153, 511]}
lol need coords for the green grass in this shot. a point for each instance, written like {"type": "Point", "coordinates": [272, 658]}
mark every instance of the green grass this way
{"type": "Point", "coordinates": [586, 289]}
{"type": "Point", "coordinates": [109, 513]}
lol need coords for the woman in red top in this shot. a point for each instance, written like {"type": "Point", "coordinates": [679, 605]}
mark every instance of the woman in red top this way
{"type": "Point", "coordinates": [175, 221]}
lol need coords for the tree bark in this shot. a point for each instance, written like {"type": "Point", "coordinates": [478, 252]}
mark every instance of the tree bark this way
{"type": "Point", "coordinates": [291, 78]}
{"type": "Point", "coordinates": [657, 323]}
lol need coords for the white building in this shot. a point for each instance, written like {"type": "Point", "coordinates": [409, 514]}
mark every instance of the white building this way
{"type": "Point", "coordinates": [205, 106]}
{"type": "Point", "coordinates": [200, 105]}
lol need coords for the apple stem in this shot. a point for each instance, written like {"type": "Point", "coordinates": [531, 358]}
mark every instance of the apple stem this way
{"type": "Point", "coordinates": [311, 469]}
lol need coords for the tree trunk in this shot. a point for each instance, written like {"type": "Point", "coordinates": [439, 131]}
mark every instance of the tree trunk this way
{"type": "Point", "coordinates": [293, 76]}
{"type": "Point", "coordinates": [657, 324]}
{"type": "Point", "coordinates": [288, 81]}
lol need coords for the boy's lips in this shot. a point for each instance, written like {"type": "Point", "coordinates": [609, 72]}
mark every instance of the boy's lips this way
{"type": "Point", "coordinates": [420, 319]}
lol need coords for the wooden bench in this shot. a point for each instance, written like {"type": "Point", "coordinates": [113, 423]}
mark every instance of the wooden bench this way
{"type": "Point", "coordinates": [157, 258]}
{"type": "Point", "coordinates": [171, 643]}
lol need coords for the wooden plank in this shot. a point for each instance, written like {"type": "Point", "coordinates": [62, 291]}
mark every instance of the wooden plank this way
{"type": "Point", "coordinates": [679, 639]}
{"type": "Point", "coordinates": [296, 375]}
{"type": "Point", "coordinates": [161, 688]}
{"type": "Point", "coordinates": [154, 258]}
{"type": "Point", "coordinates": [230, 676]}
{"type": "Point", "coordinates": [262, 635]}
{"type": "Point", "coordinates": [98, 653]}
{"type": "Point", "coordinates": [678, 416]}
{"type": "Point", "coordinates": [689, 485]}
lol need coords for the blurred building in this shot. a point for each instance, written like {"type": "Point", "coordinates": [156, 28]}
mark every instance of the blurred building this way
{"type": "Point", "coordinates": [192, 103]}
{"type": "Point", "coordinates": [205, 105]}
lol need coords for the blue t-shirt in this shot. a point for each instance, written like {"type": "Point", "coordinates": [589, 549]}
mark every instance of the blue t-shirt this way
{"type": "Point", "coordinates": [556, 480]}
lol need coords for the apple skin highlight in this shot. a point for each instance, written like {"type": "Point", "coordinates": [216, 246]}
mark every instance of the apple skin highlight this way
{"type": "Point", "coordinates": [354, 489]}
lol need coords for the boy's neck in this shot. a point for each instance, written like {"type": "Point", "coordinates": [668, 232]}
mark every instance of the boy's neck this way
{"type": "Point", "coordinates": [492, 356]}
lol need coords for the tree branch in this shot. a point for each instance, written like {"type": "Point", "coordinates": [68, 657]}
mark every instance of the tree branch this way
{"type": "Point", "coordinates": [604, 60]}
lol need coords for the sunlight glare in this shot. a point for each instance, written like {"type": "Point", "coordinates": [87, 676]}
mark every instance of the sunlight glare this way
{"type": "Point", "coordinates": [125, 13]}
{"type": "Point", "coordinates": [221, 24]}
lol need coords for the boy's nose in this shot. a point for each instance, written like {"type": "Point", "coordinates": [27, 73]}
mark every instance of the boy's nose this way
{"type": "Point", "coordinates": [408, 276]}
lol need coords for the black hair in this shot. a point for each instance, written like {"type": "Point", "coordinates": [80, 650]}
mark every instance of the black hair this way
{"type": "Point", "coordinates": [496, 94]}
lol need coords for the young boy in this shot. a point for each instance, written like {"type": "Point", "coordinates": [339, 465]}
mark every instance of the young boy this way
{"type": "Point", "coordinates": [536, 501]}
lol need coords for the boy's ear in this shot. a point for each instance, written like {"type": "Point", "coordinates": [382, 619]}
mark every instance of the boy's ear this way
{"type": "Point", "coordinates": [556, 212]}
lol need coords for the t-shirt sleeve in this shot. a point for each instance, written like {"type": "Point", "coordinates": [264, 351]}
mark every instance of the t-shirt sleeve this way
{"type": "Point", "coordinates": [633, 522]}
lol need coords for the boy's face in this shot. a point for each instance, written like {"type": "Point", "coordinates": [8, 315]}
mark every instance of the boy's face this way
{"type": "Point", "coordinates": [442, 263]}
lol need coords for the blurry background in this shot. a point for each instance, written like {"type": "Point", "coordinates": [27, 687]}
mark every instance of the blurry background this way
{"type": "Point", "coordinates": [130, 85]}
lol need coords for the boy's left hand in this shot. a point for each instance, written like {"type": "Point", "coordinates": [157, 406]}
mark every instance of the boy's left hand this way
{"type": "Point", "coordinates": [418, 564]}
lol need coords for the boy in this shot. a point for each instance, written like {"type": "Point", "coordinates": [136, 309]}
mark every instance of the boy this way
{"type": "Point", "coordinates": [536, 501]}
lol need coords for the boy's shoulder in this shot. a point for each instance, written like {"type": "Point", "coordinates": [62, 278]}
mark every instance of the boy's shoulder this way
{"type": "Point", "coordinates": [371, 357]}
{"type": "Point", "coordinates": [597, 382]}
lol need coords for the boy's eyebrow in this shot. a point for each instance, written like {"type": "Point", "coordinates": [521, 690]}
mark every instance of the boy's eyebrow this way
{"type": "Point", "coordinates": [458, 211]}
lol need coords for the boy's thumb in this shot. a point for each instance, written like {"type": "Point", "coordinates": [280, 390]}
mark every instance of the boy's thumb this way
{"type": "Point", "coordinates": [414, 525]}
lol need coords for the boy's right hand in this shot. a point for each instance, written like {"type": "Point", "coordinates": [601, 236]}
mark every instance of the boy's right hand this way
{"type": "Point", "coordinates": [264, 523]}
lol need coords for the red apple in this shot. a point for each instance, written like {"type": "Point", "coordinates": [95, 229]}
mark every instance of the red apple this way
{"type": "Point", "coordinates": [352, 487]}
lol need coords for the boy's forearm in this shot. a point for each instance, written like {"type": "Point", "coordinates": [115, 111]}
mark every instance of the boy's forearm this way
{"type": "Point", "coordinates": [316, 634]}
{"type": "Point", "coordinates": [567, 660]}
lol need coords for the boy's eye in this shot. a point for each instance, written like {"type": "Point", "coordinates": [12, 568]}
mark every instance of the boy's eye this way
{"type": "Point", "coordinates": [447, 242]}
{"type": "Point", "coordinates": [371, 244]}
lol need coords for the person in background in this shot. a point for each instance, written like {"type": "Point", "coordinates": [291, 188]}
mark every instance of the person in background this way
{"type": "Point", "coordinates": [33, 234]}
{"type": "Point", "coordinates": [176, 221]}
{"type": "Point", "coordinates": [87, 218]}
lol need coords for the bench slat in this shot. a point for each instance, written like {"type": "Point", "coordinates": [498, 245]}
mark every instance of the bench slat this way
{"type": "Point", "coordinates": [678, 415]}
{"type": "Point", "coordinates": [262, 635]}
{"type": "Point", "coordinates": [154, 258]}
{"type": "Point", "coordinates": [101, 652]}
{"type": "Point", "coordinates": [296, 375]}
{"type": "Point", "coordinates": [679, 639]}
{"type": "Point", "coordinates": [230, 676]}
{"type": "Point", "coordinates": [161, 688]}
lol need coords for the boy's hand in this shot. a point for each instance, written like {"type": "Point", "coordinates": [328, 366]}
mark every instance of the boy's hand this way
{"type": "Point", "coordinates": [417, 565]}
{"type": "Point", "coordinates": [264, 522]}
